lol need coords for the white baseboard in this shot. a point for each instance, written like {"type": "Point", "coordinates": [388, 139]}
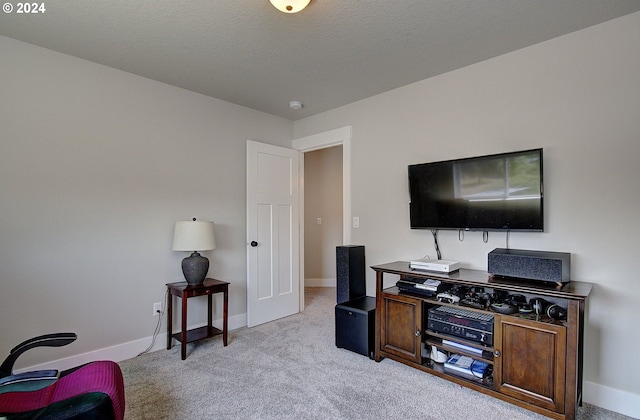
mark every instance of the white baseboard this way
{"type": "Point", "coordinates": [320, 282]}
{"type": "Point", "coordinates": [611, 399]}
{"type": "Point", "coordinates": [128, 350]}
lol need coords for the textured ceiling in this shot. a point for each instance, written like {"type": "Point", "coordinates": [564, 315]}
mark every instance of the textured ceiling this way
{"type": "Point", "coordinates": [333, 53]}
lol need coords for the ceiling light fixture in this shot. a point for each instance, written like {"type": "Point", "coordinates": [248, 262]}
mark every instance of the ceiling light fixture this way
{"type": "Point", "coordinates": [295, 105]}
{"type": "Point", "coordinates": [290, 6]}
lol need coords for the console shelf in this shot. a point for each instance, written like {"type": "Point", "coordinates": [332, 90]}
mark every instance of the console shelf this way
{"type": "Point", "coordinates": [435, 339]}
{"type": "Point", "coordinates": [536, 363]}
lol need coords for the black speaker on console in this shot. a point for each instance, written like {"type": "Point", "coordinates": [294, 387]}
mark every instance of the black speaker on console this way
{"type": "Point", "coordinates": [350, 272]}
{"type": "Point", "coordinates": [530, 265]}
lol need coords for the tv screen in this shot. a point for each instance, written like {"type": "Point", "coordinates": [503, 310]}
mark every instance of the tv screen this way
{"type": "Point", "coordinates": [487, 193]}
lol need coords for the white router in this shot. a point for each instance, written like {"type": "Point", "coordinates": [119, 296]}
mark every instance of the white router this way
{"type": "Point", "coordinates": [439, 266]}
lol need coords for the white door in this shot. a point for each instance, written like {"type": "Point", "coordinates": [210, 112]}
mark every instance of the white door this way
{"type": "Point", "coordinates": [273, 189]}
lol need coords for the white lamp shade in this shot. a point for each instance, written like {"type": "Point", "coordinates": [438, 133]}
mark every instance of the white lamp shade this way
{"type": "Point", "coordinates": [194, 236]}
{"type": "Point", "coordinates": [290, 6]}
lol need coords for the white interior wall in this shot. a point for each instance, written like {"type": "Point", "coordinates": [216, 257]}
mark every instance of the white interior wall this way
{"type": "Point", "coordinates": [96, 166]}
{"type": "Point", "coordinates": [576, 96]}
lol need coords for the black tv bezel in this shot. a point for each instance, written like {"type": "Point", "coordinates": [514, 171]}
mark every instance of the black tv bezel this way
{"type": "Point", "coordinates": [485, 229]}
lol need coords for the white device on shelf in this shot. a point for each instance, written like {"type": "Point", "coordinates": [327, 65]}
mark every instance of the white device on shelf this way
{"type": "Point", "coordinates": [440, 266]}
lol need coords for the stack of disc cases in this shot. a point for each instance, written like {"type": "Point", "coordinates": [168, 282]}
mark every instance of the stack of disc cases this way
{"type": "Point", "coordinates": [465, 366]}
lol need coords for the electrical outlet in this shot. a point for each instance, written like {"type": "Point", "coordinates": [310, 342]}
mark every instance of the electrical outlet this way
{"type": "Point", "coordinates": [157, 308]}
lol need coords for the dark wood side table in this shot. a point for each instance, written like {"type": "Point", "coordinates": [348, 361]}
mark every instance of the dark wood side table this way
{"type": "Point", "coordinates": [184, 291]}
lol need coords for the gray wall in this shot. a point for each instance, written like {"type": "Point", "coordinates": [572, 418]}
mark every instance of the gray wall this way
{"type": "Point", "coordinates": [96, 166]}
{"type": "Point", "coordinates": [578, 97]}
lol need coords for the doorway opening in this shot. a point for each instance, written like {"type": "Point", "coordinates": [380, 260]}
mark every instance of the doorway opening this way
{"type": "Point", "coordinates": [322, 215]}
{"type": "Point", "coordinates": [326, 140]}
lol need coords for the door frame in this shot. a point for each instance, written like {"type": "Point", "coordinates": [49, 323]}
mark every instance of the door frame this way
{"type": "Point", "coordinates": [336, 137]}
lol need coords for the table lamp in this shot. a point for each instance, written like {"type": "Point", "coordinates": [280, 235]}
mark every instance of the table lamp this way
{"type": "Point", "coordinates": [194, 236]}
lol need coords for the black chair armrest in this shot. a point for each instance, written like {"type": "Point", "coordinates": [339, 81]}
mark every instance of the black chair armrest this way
{"type": "Point", "coordinates": [28, 381]}
{"type": "Point", "coordinates": [47, 340]}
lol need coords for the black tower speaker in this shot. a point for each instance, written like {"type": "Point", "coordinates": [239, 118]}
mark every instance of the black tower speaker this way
{"type": "Point", "coordinates": [350, 272]}
{"type": "Point", "coordinates": [530, 265]}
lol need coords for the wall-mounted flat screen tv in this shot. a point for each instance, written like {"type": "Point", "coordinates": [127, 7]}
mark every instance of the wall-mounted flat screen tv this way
{"type": "Point", "coordinates": [486, 193]}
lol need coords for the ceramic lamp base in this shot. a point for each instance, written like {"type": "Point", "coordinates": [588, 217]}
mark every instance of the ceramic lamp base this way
{"type": "Point", "coordinates": [195, 268]}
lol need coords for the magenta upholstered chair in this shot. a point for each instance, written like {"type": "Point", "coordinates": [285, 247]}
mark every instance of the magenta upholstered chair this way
{"type": "Point", "coordinates": [91, 391]}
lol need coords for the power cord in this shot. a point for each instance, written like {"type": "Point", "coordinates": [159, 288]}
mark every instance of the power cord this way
{"type": "Point", "coordinates": [156, 331]}
{"type": "Point", "coordinates": [434, 232]}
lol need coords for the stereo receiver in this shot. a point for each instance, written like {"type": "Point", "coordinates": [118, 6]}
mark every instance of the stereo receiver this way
{"type": "Point", "coordinates": [470, 325]}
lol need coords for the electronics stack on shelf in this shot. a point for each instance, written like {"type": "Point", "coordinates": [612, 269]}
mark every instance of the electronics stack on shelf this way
{"type": "Point", "coordinates": [469, 325]}
{"type": "Point", "coordinates": [420, 286]}
{"type": "Point", "coordinates": [463, 323]}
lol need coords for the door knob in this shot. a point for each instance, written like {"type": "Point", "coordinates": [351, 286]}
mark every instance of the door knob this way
{"type": "Point", "coordinates": [254, 244]}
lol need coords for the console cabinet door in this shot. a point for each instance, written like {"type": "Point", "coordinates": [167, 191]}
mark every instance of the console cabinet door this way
{"type": "Point", "coordinates": [400, 329]}
{"type": "Point", "coordinates": [529, 362]}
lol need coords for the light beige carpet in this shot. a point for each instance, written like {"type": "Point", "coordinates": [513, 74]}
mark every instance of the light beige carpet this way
{"type": "Point", "coordinates": [291, 369]}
